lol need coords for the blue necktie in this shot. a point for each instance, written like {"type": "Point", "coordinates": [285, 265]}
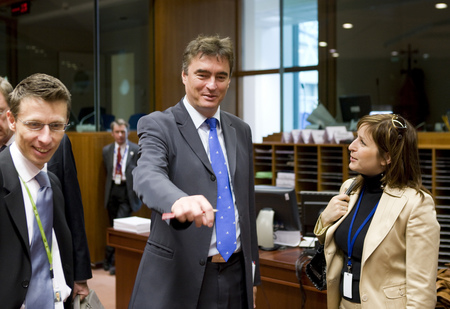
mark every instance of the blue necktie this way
{"type": "Point", "coordinates": [40, 291]}
{"type": "Point", "coordinates": [225, 219]}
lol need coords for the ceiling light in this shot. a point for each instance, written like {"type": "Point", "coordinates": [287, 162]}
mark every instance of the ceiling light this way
{"type": "Point", "coordinates": [440, 5]}
{"type": "Point", "coordinates": [323, 44]}
{"type": "Point", "coordinates": [347, 26]}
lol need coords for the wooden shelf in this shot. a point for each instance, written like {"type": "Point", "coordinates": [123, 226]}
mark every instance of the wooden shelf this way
{"type": "Point", "coordinates": [324, 167]}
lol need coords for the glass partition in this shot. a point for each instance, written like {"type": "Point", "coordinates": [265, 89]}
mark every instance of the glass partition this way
{"type": "Point", "coordinates": [397, 52]}
{"type": "Point", "coordinates": [59, 40]}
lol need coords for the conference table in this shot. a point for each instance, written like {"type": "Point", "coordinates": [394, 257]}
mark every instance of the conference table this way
{"type": "Point", "coordinates": [280, 287]}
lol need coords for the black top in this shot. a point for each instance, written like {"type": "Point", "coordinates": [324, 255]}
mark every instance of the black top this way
{"type": "Point", "coordinates": [371, 196]}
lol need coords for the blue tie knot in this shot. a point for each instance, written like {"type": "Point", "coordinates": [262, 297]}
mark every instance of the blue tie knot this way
{"type": "Point", "coordinates": [212, 122]}
{"type": "Point", "coordinates": [42, 179]}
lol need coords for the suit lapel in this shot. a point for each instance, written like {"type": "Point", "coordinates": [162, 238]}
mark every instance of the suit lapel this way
{"type": "Point", "coordinates": [389, 208]}
{"type": "Point", "coordinates": [229, 133]}
{"type": "Point", "coordinates": [333, 228]}
{"type": "Point", "coordinates": [190, 134]}
{"type": "Point", "coordinates": [14, 198]}
{"type": "Point", "coordinates": [110, 163]}
{"type": "Point", "coordinates": [129, 151]}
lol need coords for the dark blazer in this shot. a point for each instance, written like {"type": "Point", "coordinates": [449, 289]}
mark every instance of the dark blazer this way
{"type": "Point", "coordinates": [62, 164]}
{"type": "Point", "coordinates": [15, 263]}
{"type": "Point", "coordinates": [108, 160]}
{"type": "Point", "coordinates": [173, 163]}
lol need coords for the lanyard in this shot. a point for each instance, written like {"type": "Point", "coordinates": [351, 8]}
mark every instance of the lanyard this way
{"type": "Point", "coordinates": [41, 229]}
{"type": "Point", "coordinates": [351, 241]}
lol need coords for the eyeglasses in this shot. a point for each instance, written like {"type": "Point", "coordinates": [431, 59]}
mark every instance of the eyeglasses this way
{"type": "Point", "coordinates": [37, 126]}
{"type": "Point", "coordinates": [398, 122]}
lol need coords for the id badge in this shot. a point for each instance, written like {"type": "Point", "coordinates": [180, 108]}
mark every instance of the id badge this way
{"type": "Point", "coordinates": [118, 179]}
{"type": "Point", "coordinates": [57, 296]}
{"type": "Point", "coordinates": [348, 278]}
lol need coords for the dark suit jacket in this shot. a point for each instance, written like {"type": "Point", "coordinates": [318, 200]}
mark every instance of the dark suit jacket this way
{"type": "Point", "coordinates": [62, 164]}
{"type": "Point", "coordinates": [15, 263]}
{"type": "Point", "coordinates": [173, 163]}
{"type": "Point", "coordinates": [108, 160]}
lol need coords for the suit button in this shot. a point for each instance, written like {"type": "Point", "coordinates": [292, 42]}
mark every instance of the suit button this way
{"type": "Point", "coordinates": [365, 297]}
{"type": "Point", "coordinates": [213, 178]}
{"type": "Point", "coordinates": [25, 283]}
{"type": "Point", "coordinates": [202, 262]}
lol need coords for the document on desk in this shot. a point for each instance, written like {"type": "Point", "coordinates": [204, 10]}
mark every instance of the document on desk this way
{"type": "Point", "coordinates": [132, 224]}
{"type": "Point", "coordinates": [308, 242]}
{"type": "Point", "coordinates": [287, 238]}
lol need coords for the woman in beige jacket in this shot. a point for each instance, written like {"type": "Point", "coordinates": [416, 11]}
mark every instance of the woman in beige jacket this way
{"type": "Point", "coordinates": [382, 241]}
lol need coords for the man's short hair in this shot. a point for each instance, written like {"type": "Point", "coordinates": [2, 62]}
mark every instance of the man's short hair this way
{"type": "Point", "coordinates": [209, 46]}
{"type": "Point", "coordinates": [119, 122]}
{"type": "Point", "coordinates": [5, 89]}
{"type": "Point", "coordinates": [42, 86]}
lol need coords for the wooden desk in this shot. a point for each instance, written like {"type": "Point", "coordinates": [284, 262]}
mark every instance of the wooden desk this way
{"type": "Point", "coordinates": [129, 250]}
{"type": "Point", "coordinates": [279, 289]}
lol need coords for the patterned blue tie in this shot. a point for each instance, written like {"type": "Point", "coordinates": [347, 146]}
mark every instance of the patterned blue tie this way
{"type": "Point", "coordinates": [40, 291]}
{"type": "Point", "coordinates": [225, 219]}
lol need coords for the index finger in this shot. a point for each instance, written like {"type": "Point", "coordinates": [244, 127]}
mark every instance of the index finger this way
{"type": "Point", "coordinates": [208, 217]}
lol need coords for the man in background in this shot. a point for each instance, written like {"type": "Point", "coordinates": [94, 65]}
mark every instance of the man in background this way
{"type": "Point", "coordinates": [195, 159]}
{"type": "Point", "coordinates": [5, 132]}
{"type": "Point", "coordinates": [62, 164]}
{"type": "Point", "coordinates": [119, 158]}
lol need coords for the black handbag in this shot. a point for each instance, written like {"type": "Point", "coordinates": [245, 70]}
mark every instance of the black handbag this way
{"type": "Point", "coordinates": [316, 269]}
{"type": "Point", "coordinates": [316, 266]}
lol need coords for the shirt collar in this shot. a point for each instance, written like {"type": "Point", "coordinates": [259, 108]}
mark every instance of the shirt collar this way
{"type": "Point", "coordinates": [123, 146]}
{"type": "Point", "coordinates": [196, 117]}
{"type": "Point", "coordinates": [24, 167]}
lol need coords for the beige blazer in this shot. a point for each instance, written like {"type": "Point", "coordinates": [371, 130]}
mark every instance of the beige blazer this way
{"type": "Point", "coordinates": [399, 260]}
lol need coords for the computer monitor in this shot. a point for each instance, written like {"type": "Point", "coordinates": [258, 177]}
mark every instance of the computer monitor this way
{"type": "Point", "coordinates": [283, 201]}
{"type": "Point", "coordinates": [354, 107]}
{"type": "Point", "coordinates": [312, 205]}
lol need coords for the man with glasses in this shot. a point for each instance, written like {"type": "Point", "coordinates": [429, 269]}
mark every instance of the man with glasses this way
{"type": "Point", "coordinates": [36, 259]}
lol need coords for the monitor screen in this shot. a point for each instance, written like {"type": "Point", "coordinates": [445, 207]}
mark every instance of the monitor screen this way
{"type": "Point", "coordinates": [312, 205]}
{"type": "Point", "coordinates": [283, 201]}
{"type": "Point", "coordinates": [354, 107]}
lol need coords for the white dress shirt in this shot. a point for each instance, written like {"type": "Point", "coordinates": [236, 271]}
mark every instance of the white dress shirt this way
{"type": "Point", "coordinates": [203, 132]}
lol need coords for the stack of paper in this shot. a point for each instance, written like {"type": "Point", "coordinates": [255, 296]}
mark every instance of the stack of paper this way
{"type": "Point", "coordinates": [287, 238]}
{"type": "Point", "coordinates": [285, 179]}
{"type": "Point", "coordinates": [132, 224]}
{"type": "Point", "coordinates": [308, 242]}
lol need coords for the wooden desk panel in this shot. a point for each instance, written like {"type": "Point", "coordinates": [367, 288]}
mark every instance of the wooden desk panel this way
{"type": "Point", "coordinates": [279, 289]}
{"type": "Point", "coordinates": [129, 250]}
